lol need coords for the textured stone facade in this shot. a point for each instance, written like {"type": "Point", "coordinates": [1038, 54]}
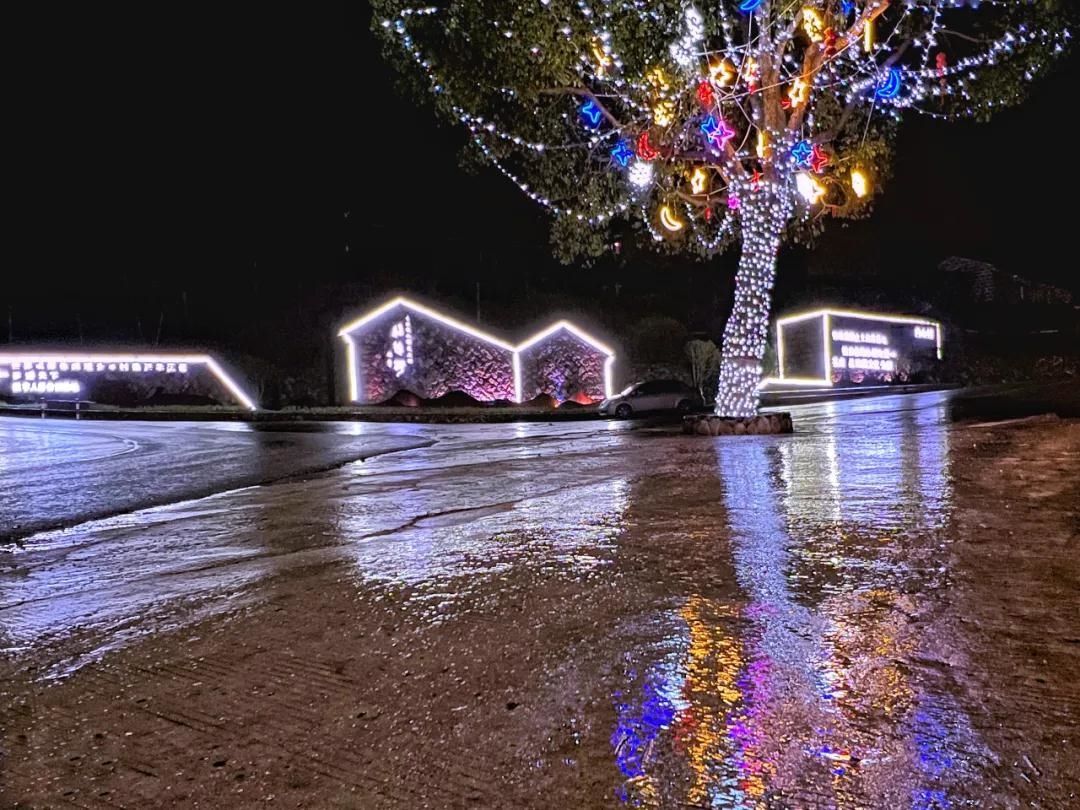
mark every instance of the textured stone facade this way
{"type": "Point", "coordinates": [564, 366]}
{"type": "Point", "coordinates": [403, 349]}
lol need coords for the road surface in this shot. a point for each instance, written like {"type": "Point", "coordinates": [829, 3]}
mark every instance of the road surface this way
{"type": "Point", "coordinates": [882, 610]}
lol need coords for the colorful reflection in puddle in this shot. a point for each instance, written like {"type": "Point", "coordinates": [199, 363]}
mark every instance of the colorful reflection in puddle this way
{"type": "Point", "coordinates": [805, 688]}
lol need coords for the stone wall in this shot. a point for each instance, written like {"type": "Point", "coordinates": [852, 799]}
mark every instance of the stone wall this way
{"type": "Point", "coordinates": [407, 350]}
{"type": "Point", "coordinates": [563, 366]}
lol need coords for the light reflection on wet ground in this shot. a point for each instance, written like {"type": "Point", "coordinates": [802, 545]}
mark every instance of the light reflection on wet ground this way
{"type": "Point", "coordinates": [775, 620]}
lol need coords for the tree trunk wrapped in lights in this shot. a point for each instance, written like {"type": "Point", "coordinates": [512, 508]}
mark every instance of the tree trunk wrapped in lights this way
{"type": "Point", "coordinates": [750, 125]}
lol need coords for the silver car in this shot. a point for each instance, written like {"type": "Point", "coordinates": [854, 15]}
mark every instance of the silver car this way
{"type": "Point", "coordinates": [650, 397]}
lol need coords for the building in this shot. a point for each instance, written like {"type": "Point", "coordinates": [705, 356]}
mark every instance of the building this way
{"type": "Point", "coordinates": [827, 347]}
{"type": "Point", "coordinates": [117, 378]}
{"type": "Point", "coordinates": [403, 345]}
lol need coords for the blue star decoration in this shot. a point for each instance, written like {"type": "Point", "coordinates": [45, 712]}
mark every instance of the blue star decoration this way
{"type": "Point", "coordinates": [802, 151]}
{"type": "Point", "coordinates": [621, 153]}
{"type": "Point", "coordinates": [889, 87]}
{"type": "Point", "coordinates": [847, 6]}
{"type": "Point", "coordinates": [591, 114]}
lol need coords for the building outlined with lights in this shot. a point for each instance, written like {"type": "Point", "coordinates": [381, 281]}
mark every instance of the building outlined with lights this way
{"type": "Point", "coordinates": [403, 345]}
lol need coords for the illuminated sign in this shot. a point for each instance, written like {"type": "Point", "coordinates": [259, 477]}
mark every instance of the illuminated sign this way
{"type": "Point", "coordinates": [827, 347]}
{"type": "Point", "coordinates": [40, 374]}
{"type": "Point", "coordinates": [403, 353]}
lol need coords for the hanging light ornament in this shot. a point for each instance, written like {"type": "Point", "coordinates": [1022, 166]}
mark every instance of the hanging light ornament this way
{"type": "Point", "coordinates": [860, 183]}
{"type": "Point", "coordinates": [699, 180]}
{"type": "Point", "coordinates": [813, 24]}
{"type": "Point", "coordinates": [669, 220]}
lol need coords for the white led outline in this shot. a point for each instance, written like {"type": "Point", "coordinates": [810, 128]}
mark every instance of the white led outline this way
{"type": "Point", "coordinates": [827, 315]}
{"type": "Point", "coordinates": [190, 359]}
{"type": "Point", "coordinates": [585, 337]}
{"type": "Point", "coordinates": [352, 360]}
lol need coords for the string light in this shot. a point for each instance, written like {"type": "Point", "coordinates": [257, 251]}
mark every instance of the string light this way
{"type": "Point", "coordinates": [606, 109]}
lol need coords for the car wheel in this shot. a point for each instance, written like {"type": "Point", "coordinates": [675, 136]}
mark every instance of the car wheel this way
{"type": "Point", "coordinates": [684, 406]}
{"type": "Point", "coordinates": [623, 411]}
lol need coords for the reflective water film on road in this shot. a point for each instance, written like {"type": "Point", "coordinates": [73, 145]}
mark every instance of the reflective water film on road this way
{"type": "Point", "coordinates": [880, 611]}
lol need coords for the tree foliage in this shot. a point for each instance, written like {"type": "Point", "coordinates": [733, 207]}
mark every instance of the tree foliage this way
{"type": "Point", "coordinates": [517, 74]}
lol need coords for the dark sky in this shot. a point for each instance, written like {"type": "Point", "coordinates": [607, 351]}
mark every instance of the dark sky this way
{"type": "Point", "coordinates": [213, 154]}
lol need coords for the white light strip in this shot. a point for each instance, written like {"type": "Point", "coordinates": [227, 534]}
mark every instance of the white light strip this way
{"type": "Point", "coordinates": [827, 315]}
{"type": "Point", "coordinates": [569, 327]}
{"type": "Point", "coordinates": [352, 359]}
{"type": "Point", "coordinates": [826, 347]}
{"type": "Point", "coordinates": [190, 359]}
{"type": "Point", "coordinates": [810, 381]}
{"type": "Point", "coordinates": [438, 316]}
{"type": "Point", "coordinates": [350, 355]}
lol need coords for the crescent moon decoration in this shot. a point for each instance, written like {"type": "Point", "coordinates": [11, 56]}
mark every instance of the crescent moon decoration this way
{"type": "Point", "coordinates": [749, 5]}
{"type": "Point", "coordinates": [889, 87]}
{"type": "Point", "coordinates": [644, 148]}
{"type": "Point", "coordinates": [669, 220]}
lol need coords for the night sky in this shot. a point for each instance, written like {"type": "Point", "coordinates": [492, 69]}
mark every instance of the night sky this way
{"type": "Point", "coordinates": [201, 176]}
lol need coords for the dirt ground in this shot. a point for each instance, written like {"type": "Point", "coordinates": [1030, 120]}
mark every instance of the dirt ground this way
{"type": "Point", "coordinates": [814, 621]}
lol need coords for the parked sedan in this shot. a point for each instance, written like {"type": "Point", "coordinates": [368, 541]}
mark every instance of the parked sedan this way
{"type": "Point", "coordinates": [650, 397]}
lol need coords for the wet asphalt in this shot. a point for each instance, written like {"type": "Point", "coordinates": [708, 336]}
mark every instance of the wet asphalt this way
{"type": "Point", "coordinates": [858, 615]}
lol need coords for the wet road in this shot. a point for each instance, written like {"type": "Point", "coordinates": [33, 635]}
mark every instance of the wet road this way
{"type": "Point", "coordinates": [880, 611]}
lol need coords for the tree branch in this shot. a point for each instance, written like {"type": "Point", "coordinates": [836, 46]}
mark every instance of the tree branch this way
{"type": "Point", "coordinates": [584, 92]}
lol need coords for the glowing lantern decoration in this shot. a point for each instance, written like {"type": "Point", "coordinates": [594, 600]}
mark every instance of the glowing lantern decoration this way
{"type": "Point", "coordinates": [664, 113]}
{"type": "Point", "coordinates": [808, 186]}
{"type": "Point", "coordinates": [762, 144]}
{"type": "Point", "coordinates": [860, 183]}
{"type": "Point", "coordinates": [644, 148]}
{"type": "Point", "coordinates": [669, 220]}
{"type": "Point", "coordinates": [699, 180]}
{"type": "Point", "coordinates": [813, 24]}
{"type": "Point", "coordinates": [868, 36]}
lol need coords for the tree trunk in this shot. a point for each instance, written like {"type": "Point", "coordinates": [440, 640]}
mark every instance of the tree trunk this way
{"type": "Point", "coordinates": [762, 220]}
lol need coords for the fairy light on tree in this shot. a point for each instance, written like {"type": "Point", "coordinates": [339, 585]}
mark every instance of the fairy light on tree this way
{"type": "Point", "coordinates": [749, 123]}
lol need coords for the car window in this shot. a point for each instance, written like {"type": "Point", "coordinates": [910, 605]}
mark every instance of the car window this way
{"type": "Point", "coordinates": [648, 388]}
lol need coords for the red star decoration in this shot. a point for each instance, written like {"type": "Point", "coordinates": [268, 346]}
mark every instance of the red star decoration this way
{"type": "Point", "coordinates": [818, 159]}
{"type": "Point", "coordinates": [785, 103]}
{"type": "Point", "coordinates": [705, 94]}
{"type": "Point", "coordinates": [755, 180]}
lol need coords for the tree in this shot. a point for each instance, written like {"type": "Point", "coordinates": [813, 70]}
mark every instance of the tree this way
{"type": "Point", "coordinates": [704, 359]}
{"type": "Point", "coordinates": [751, 125]}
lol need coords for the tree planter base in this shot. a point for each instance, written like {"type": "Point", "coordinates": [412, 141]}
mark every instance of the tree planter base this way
{"type": "Point", "coordinates": [712, 425]}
